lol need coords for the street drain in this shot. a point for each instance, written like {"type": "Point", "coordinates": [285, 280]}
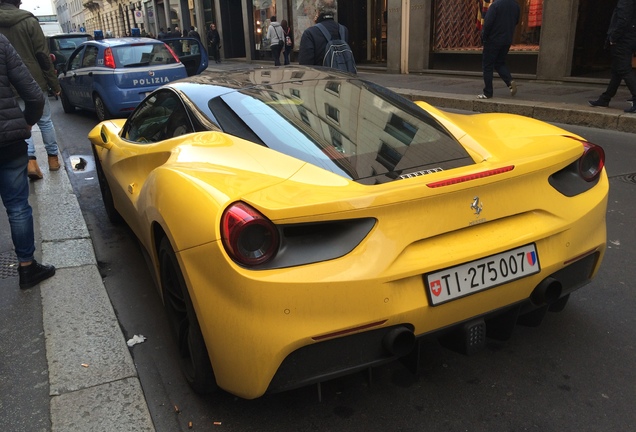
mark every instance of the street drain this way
{"type": "Point", "coordinates": [8, 265]}
{"type": "Point", "coordinates": [82, 163]}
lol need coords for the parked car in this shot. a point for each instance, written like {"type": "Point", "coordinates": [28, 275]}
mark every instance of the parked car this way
{"type": "Point", "coordinates": [111, 76]}
{"type": "Point", "coordinates": [304, 224]}
{"type": "Point", "coordinates": [62, 45]}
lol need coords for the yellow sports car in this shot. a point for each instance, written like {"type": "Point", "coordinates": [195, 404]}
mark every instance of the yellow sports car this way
{"type": "Point", "coordinates": [304, 224]}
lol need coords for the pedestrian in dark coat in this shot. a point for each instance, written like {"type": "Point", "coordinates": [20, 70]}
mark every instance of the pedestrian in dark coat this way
{"type": "Point", "coordinates": [15, 127]}
{"type": "Point", "coordinates": [621, 40]}
{"type": "Point", "coordinates": [24, 32]}
{"type": "Point", "coordinates": [313, 43]}
{"type": "Point", "coordinates": [214, 39]}
{"type": "Point", "coordinates": [496, 35]}
{"type": "Point", "coordinates": [193, 33]}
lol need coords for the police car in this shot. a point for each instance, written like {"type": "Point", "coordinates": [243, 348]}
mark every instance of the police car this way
{"type": "Point", "coordinates": [112, 76]}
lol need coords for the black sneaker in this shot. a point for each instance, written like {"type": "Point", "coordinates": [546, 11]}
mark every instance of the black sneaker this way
{"type": "Point", "coordinates": [599, 103]}
{"type": "Point", "coordinates": [34, 273]}
{"type": "Point", "coordinates": [631, 109]}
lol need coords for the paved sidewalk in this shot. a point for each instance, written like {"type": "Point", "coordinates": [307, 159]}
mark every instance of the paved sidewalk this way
{"type": "Point", "coordinates": [86, 365]}
{"type": "Point", "coordinates": [92, 381]}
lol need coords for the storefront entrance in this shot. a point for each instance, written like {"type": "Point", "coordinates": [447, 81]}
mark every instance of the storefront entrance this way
{"type": "Point", "coordinates": [367, 24]}
{"type": "Point", "coordinates": [589, 58]}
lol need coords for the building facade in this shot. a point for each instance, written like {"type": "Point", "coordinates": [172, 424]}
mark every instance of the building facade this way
{"type": "Point", "coordinates": [555, 39]}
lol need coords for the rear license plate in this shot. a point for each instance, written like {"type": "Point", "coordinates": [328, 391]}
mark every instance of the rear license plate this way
{"type": "Point", "coordinates": [468, 278]}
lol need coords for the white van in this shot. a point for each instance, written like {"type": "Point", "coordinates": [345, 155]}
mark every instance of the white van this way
{"type": "Point", "coordinates": [51, 28]}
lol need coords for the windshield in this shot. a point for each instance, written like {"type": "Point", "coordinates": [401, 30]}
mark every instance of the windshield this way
{"type": "Point", "coordinates": [348, 126]}
{"type": "Point", "coordinates": [144, 54]}
{"type": "Point", "coordinates": [66, 45]}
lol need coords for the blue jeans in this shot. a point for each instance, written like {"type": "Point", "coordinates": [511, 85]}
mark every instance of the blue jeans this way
{"type": "Point", "coordinates": [494, 59]}
{"type": "Point", "coordinates": [48, 131]}
{"type": "Point", "coordinates": [286, 54]}
{"type": "Point", "coordinates": [14, 190]}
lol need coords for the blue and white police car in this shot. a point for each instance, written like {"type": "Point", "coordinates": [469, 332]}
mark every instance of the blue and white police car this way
{"type": "Point", "coordinates": [112, 76]}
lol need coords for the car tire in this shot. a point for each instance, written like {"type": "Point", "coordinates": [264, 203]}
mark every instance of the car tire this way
{"type": "Point", "coordinates": [193, 355]}
{"type": "Point", "coordinates": [66, 104]}
{"type": "Point", "coordinates": [100, 109]}
{"type": "Point", "coordinates": [107, 196]}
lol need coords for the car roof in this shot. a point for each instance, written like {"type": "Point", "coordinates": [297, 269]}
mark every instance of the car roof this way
{"type": "Point", "coordinates": [70, 35]}
{"type": "Point", "coordinates": [114, 42]}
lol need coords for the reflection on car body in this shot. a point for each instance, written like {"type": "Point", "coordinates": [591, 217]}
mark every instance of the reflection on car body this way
{"type": "Point", "coordinates": [303, 224]}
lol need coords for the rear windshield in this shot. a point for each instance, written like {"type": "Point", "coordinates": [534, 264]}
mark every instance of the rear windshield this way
{"type": "Point", "coordinates": [144, 54]}
{"type": "Point", "coordinates": [350, 127]}
{"type": "Point", "coordinates": [67, 44]}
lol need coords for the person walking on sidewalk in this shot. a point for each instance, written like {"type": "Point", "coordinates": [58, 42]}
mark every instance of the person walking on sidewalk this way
{"type": "Point", "coordinates": [621, 40]}
{"type": "Point", "coordinates": [25, 34]}
{"type": "Point", "coordinates": [496, 35]}
{"type": "Point", "coordinates": [313, 43]}
{"type": "Point", "coordinates": [289, 41]}
{"type": "Point", "coordinates": [276, 37]}
{"type": "Point", "coordinates": [15, 127]}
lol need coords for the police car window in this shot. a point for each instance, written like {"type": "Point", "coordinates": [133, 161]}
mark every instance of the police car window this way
{"type": "Point", "coordinates": [76, 60]}
{"type": "Point", "coordinates": [159, 117]}
{"type": "Point", "coordinates": [90, 56]}
{"type": "Point", "coordinates": [146, 54]}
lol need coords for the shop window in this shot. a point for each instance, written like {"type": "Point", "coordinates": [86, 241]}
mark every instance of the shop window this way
{"type": "Point", "coordinates": [263, 10]}
{"type": "Point", "coordinates": [458, 23]}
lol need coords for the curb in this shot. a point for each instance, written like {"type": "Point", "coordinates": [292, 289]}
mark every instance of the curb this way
{"type": "Point", "coordinates": [602, 118]}
{"type": "Point", "coordinates": [93, 382]}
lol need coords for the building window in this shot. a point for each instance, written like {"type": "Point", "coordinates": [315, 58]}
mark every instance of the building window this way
{"type": "Point", "coordinates": [400, 129]}
{"type": "Point", "coordinates": [303, 115]}
{"type": "Point", "coordinates": [333, 87]}
{"type": "Point", "coordinates": [332, 113]}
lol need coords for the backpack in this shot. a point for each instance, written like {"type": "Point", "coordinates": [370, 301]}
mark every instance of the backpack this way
{"type": "Point", "coordinates": [338, 54]}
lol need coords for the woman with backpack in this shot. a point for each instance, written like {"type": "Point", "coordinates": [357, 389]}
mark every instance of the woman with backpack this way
{"type": "Point", "coordinates": [289, 41]}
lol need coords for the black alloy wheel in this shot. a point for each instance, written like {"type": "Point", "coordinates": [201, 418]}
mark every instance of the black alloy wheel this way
{"type": "Point", "coordinates": [193, 354]}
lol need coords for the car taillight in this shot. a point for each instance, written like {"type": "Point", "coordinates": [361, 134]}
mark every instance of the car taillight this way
{"type": "Point", "coordinates": [249, 237]}
{"type": "Point", "coordinates": [592, 162]}
{"type": "Point", "coordinates": [109, 60]}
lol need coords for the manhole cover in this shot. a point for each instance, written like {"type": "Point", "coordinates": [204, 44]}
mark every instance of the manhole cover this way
{"type": "Point", "coordinates": [628, 178]}
{"type": "Point", "coordinates": [8, 265]}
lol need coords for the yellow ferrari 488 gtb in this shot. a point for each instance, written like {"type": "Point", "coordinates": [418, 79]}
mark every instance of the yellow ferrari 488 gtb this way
{"type": "Point", "coordinates": [304, 224]}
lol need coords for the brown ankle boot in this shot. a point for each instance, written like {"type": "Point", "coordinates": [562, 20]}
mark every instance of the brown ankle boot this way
{"type": "Point", "coordinates": [33, 170]}
{"type": "Point", "coordinates": [54, 163]}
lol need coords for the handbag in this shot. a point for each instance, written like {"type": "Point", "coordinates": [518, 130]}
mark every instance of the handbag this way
{"type": "Point", "coordinates": [281, 42]}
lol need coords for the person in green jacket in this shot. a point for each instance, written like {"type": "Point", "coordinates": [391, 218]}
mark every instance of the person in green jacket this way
{"type": "Point", "coordinates": [25, 34]}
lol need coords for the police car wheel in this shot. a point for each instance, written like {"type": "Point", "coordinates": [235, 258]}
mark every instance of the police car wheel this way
{"type": "Point", "coordinates": [66, 104]}
{"type": "Point", "coordinates": [100, 109]}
